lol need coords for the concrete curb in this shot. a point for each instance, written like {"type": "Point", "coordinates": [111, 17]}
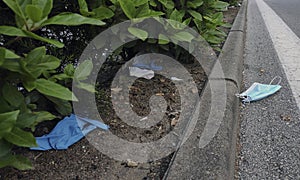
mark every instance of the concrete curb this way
{"type": "Point", "coordinates": [217, 159]}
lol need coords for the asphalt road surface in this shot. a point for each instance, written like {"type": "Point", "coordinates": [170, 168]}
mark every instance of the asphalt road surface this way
{"type": "Point", "coordinates": [270, 128]}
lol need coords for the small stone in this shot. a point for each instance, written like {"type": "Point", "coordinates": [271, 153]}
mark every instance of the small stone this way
{"type": "Point", "coordinates": [174, 122]}
{"type": "Point", "coordinates": [131, 163]}
{"type": "Point", "coordinates": [194, 90]}
{"type": "Point", "coordinates": [285, 117]}
{"type": "Point", "coordinates": [159, 94]}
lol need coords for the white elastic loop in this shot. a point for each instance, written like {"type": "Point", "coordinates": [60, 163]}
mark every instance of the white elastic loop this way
{"type": "Point", "coordinates": [276, 77]}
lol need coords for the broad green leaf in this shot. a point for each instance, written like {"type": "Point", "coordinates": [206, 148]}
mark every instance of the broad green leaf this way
{"type": "Point", "coordinates": [226, 25]}
{"type": "Point", "coordinates": [34, 13]}
{"type": "Point", "coordinates": [12, 95]}
{"type": "Point", "coordinates": [143, 11]}
{"type": "Point", "coordinates": [139, 33]}
{"type": "Point", "coordinates": [8, 54]}
{"type": "Point", "coordinates": [155, 13]}
{"type": "Point", "coordinates": [5, 147]}
{"type": "Point", "coordinates": [128, 8]}
{"type": "Point", "coordinates": [62, 106]}
{"type": "Point", "coordinates": [12, 65]}
{"type": "Point", "coordinates": [35, 55]}
{"type": "Point", "coordinates": [195, 4]}
{"type": "Point", "coordinates": [195, 14]}
{"type": "Point", "coordinates": [187, 21]}
{"type": "Point", "coordinates": [12, 31]}
{"type": "Point", "coordinates": [53, 89]}
{"type": "Point", "coordinates": [29, 85]}
{"type": "Point", "coordinates": [26, 120]}
{"type": "Point", "coordinates": [152, 3]}
{"type": "Point", "coordinates": [103, 13]}
{"type": "Point", "coordinates": [37, 62]}
{"type": "Point", "coordinates": [29, 71]}
{"type": "Point", "coordinates": [71, 19]}
{"type": "Point", "coordinates": [44, 116]}
{"type": "Point", "coordinates": [85, 86]}
{"type": "Point", "coordinates": [20, 137]}
{"type": "Point", "coordinates": [169, 4]}
{"type": "Point", "coordinates": [60, 77]}
{"type": "Point", "coordinates": [50, 41]}
{"type": "Point", "coordinates": [69, 70]}
{"type": "Point", "coordinates": [83, 70]}
{"type": "Point", "coordinates": [184, 36]}
{"type": "Point", "coordinates": [7, 121]}
{"type": "Point", "coordinates": [198, 24]}
{"type": "Point", "coordinates": [45, 6]}
{"type": "Point", "coordinates": [177, 15]}
{"type": "Point", "coordinates": [49, 63]}
{"type": "Point", "coordinates": [217, 33]}
{"type": "Point", "coordinates": [220, 5]}
{"type": "Point", "coordinates": [162, 39]}
{"type": "Point", "coordinates": [83, 8]}
{"type": "Point", "coordinates": [15, 161]}
{"type": "Point", "coordinates": [139, 2]}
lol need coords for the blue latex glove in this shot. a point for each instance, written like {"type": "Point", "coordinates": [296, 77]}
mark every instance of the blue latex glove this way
{"type": "Point", "coordinates": [67, 132]}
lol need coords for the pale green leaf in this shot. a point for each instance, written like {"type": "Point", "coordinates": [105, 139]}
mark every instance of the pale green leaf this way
{"type": "Point", "coordinates": [195, 14]}
{"type": "Point", "coordinates": [195, 4]}
{"type": "Point", "coordinates": [184, 36]}
{"type": "Point", "coordinates": [20, 137]}
{"type": "Point", "coordinates": [12, 31]}
{"type": "Point", "coordinates": [139, 33]}
{"type": "Point", "coordinates": [44, 5]}
{"type": "Point", "coordinates": [169, 4]}
{"type": "Point", "coordinates": [103, 13]}
{"type": "Point", "coordinates": [162, 39]}
{"type": "Point", "coordinates": [85, 86]}
{"type": "Point", "coordinates": [8, 54]}
{"type": "Point", "coordinates": [71, 19]}
{"type": "Point", "coordinates": [83, 70]}
{"type": "Point", "coordinates": [34, 13]}
{"type": "Point", "coordinates": [128, 8]}
{"type": "Point", "coordinates": [53, 89]}
{"type": "Point", "coordinates": [69, 70]}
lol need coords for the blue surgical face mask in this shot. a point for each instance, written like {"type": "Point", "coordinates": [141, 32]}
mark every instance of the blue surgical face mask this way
{"type": "Point", "coordinates": [259, 91]}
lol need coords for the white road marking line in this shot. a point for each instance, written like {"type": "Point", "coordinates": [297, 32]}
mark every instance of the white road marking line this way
{"type": "Point", "coordinates": [287, 45]}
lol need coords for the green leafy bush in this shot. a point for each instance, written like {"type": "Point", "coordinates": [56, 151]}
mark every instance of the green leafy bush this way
{"type": "Point", "coordinates": [30, 82]}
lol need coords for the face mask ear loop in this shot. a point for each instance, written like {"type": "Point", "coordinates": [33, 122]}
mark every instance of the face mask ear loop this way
{"type": "Point", "coordinates": [245, 100]}
{"type": "Point", "coordinates": [276, 77]}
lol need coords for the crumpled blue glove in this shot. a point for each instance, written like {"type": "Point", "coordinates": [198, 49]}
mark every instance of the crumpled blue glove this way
{"type": "Point", "coordinates": [67, 132]}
